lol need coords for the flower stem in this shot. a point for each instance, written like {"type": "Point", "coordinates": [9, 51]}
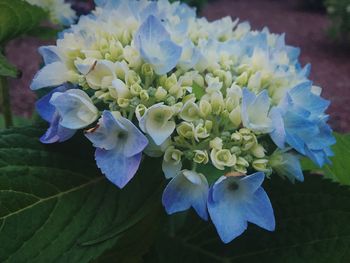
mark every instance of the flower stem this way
{"type": "Point", "coordinates": [5, 102]}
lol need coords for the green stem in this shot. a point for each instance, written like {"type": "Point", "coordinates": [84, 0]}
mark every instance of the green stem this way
{"type": "Point", "coordinates": [5, 102]}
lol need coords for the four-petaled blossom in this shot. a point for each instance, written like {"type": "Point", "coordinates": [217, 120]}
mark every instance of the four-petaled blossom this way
{"type": "Point", "coordinates": [185, 190]}
{"type": "Point", "coordinates": [119, 147]}
{"type": "Point", "coordinates": [255, 109]}
{"type": "Point", "coordinates": [157, 122]}
{"type": "Point", "coordinates": [156, 47]}
{"type": "Point", "coordinates": [235, 201]}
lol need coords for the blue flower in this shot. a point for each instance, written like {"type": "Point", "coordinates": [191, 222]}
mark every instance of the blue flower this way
{"type": "Point", "coordinates": [56, 132]}
{"type": "Point", "coordinates": [156, 47]}
{"type": "Point", "coordinates": [255, 109]}
{"type": "Point", "coordinates": [187, 189]}
{"type": "Point", "coordinates": [235, 201]}
{"type": "Point", "coordinates": [300, 122]}
{"type": "Point", "coordinates": [75, 108]}
{"type": "Point", "coordinates": [119, 147]}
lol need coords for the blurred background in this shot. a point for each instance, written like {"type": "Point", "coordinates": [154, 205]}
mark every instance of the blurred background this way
{"type": "Point", "coordinates": [321, 28]}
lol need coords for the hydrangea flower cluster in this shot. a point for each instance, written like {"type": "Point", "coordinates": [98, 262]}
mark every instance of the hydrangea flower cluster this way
{"type": "Point", "coordinates": [59, 11]}
{"type": "Point", "coordinates": [223, 105]}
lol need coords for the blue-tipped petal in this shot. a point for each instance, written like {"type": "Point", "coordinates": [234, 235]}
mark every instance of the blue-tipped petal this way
{"type": "Point", "coordinates": [156, 47]}
{"type": "Point", "coordinates": [259, 210]}
{"type": "Point", "coordinates": [56, 132]}
{"type": "Point", "coordinates": [43, 106]}
{"type": "Point", "coordinates": [118, 168]}
{"type": "Point", "coordinates": [50, 54]}
{"type": "Point", "coordinates": [135, 141]}
{"type": "Point", "coordinates": [187, 189]}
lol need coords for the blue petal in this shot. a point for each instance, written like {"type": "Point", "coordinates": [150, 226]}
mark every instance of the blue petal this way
{"type": "Point", "coordinates": [226, 213]}
{"type": "Point", "coordinates": [252, 182]}
{"type": "Point", "coordinates": [106, 134]}
{"type": "Point", "coordinates": [56, 132]}
{"type": "Point", "coordinates": [116, 167]}
{"type": "Point", "coordinates": [259, 210]}
{"type": "Point", "coordinates": [278, 134]}
{"type": "Point", "coordinates": [156, 47]}
{"type": "Point", "coordinates": [135, 141]}
{"type": "Point", "coordinates": [185, 190]}
{"type": "Point", "coordinates": [43, 106]}
{"type": "Point", "coordinates": [49, 54]}
{"type": "Point", "coordinates": [170, 169]}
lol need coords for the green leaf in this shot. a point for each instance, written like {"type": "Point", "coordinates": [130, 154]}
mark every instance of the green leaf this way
{"type": "Point", "coordinates": [18, 17]}
{"type": "Point", "coordinates": [198, 91]}
{"type": "Point", "coordinates": [339, 170]}
{"type": "Point", "coordinates": [7, 69]}
{"type": "Point", "coordinates": [56, 207]}
{"type": "Point", "coordinates": [312, 225]}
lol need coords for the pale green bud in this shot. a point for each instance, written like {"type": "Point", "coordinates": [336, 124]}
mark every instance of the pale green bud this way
{"type": "Point", "coordinates": [186, 80]}
{"type": "Point", "coordinates": [217, 102]}
{"type": "Point", "coordinates": [208, 125]}
{"type": "Point", "coordinates": [132, 77]}
{"type": "Point", "coordinates": [186, 130]}
{"type": "Point", "coordinates": [201, 157]}
{"type": "Point", "coordinates": [115, 50]}
{"type": "Point", "coordinates": [204, 108]}
{"type": "Point", "coordinates": [190, 111]}
{"type": "Point", "coordinates": [172, 155]}
{"type": "Point", "coordinates": [177, 107]}
{"type": "Point", "coordinates": [198, 79]}
{"type": "Point", "coordinates": [216, 143]}
{"type": "Point", "coordinates": [236, 150]}
{"type": "Point", "coordinates": [242, 79]}
{"type": "Point", "coordinates": [237, 137]}
{"type": "Point", "coordinates": [254, 82]}
{"type": "Point", "coordinates": [140, 111]}
{"type": "Point", "coordinates": [170, 82]}
{"type": "Point", "coordinates": [249, 141]}
{"type": "Point", "coordinates": [123, 103]}
{"type": "Point", "coordinates": [135, 89]}
{"type": "Point", "coordinates": [258, 151]}
{"type": "Point", "coordinates": [144, 95]}
{"type": "Point", "coordinates": [104, 45]}
{"type": "Point", "coordinates": [160, 94]}
{"type": "Point", "coordinates": [222, 158]}
{"type": "Point", "coordinates": [241, 165]}
{"type": "Point", "coordinates": [261, 165]}
{"type": "Point", "coordinates": [134, 101]}
{"type": "Point", "coordinates": [200, 132]}
{"type": "Point", "coordinates": [126, 37]}
{"type": "Point", "coordinates": [171, 101]}
{"type": "Point", "coordinates": [151, 91]}
{"type": "Point", "coordinates": [235, 117]}
{"type": "Point", "coordinates": [224, 76]}
{"type": "Point", "coordinates": [176, 91]}
{"type": "Point", "coordinates": [147, 70]}
{"type": "Point", "coordinates": [132, 56]}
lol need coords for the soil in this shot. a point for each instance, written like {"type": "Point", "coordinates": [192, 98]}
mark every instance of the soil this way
{"type": "Point", "coordinates": [307, 30]}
